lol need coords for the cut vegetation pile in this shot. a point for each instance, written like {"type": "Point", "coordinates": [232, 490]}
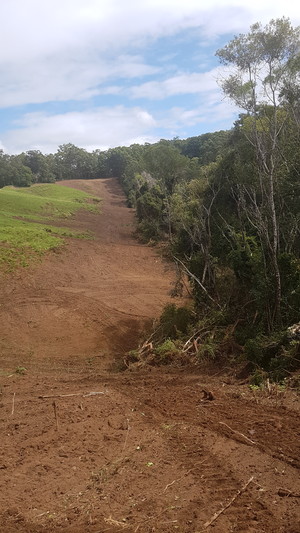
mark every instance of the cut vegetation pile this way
{"type": "Point", "coordinates": [29, 221]}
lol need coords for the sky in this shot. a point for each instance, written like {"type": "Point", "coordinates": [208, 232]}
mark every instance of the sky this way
{"type": "Point", "coordinates": [106, 73]}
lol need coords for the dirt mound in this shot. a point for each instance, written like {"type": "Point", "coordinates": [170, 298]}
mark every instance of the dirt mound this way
{"type": "Point", "coordinates": [88, 450]}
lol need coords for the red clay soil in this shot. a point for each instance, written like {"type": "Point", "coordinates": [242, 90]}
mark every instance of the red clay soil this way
{"type": "Point", "coordinates": [86, 448]}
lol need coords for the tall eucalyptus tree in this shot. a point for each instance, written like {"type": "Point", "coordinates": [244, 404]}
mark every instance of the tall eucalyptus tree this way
{"type": "Point", "coordinates": [265, 65]}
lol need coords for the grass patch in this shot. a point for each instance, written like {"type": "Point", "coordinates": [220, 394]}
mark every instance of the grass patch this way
{"type": "Point", "coordinates": [27, 221]}
{"type": "Point", "coordinates": [45, 201]}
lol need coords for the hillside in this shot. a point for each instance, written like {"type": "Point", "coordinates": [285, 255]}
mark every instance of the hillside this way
{"type": "Point", "coordinates": [88, 448]}
{"type": "Point", "coordinates": [90, 298]}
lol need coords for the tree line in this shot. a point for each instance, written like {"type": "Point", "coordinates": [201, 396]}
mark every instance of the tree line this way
{"type": "Point", "coordinates": [226, 204]}
{"type": "Point", "coordinates": [230, 209]}
{"type": "Point", "coordinates": [71, 162]}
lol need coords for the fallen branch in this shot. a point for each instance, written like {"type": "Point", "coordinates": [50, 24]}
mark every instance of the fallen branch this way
{"type": "Point", "coordinates": [196, 334]}
{"type": "Point", "coordinates": [184, 475]}
{"type": "Point", "coordinates": [238, 433]}
{"type": "Point", "coordinates": [92, 394]}
{"type": "Point", "coordinates": [147, 347]}
{"type": "Point", "coordinates": [179, 479]}
{"type": "Point", "coordinates": [218, 513]}
{"type": "Point", "coordinates": [197, 281]}
{"type": "Point", "coordinates": [187, 349]}
{"type": "Point", "coordinates": [153, 334]}
{"type": "Point", "coordinates": [85, 395]}
{"type": "Point", "coordinates": [192, 345]}
{"type": "Point", "coordinates": [288, 493]}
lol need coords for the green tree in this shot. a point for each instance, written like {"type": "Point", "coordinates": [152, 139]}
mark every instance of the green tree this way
{"type": "Point", "coordinates": [40, 166]}
{"type": "Point", "coordinates": [18, 174]}
{"type": "Point", "coordinates": [166, 165]}
{"type": "Point", "coordinates": [74, 163]}
{"type": "Point", "coordinates": [262, 61]}
{"type": "Point", "coordinates": [4, 166]}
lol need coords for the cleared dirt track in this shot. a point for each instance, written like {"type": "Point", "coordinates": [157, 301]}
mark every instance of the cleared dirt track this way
{"type": "Point", "coordinates": [86, 449]}
{"type": "Point", "coordinates": [93, 298]}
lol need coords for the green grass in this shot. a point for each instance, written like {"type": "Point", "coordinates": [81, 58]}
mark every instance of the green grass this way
{"type": "Point", "coordinates": [27, 221]}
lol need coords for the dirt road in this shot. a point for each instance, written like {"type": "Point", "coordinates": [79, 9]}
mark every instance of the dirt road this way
{"type": "Point", "coordinates": [92, 298]}
{"type": "Point", "coordinates": [87, 449]}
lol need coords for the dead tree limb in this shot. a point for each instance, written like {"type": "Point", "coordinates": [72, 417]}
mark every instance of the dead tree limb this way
{"type": "Point", "coordinates": [197, 280]}
{"type": "Point", "coordinates": [228, 504]}
{"type": "Point", "coordinates": [249, 441]}
{"type": "Point", "coordinates": [70, 395]}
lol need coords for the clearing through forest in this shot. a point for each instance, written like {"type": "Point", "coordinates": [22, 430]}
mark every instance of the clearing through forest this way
{"type": "Point", "coordinates": [85, 448]}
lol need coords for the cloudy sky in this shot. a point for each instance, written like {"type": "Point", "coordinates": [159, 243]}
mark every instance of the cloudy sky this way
{"type": "Point", "coordinates": [105, 73]}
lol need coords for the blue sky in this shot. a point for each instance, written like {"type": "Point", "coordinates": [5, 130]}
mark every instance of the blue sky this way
{"type": "Point", "coordinates": [105, 73]}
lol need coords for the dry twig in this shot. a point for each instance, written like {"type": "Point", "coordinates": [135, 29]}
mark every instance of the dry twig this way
{"type": "Point", "coordinates": [85, 395]}
{"type": "Point", "coordinates": [179, 479]}
{"type": "Point", "coordinates": [197, 281]}
{"type": "Point", "coordinates": [126, 438]}
{"type": "Point", "coordinates": [113, 522]}
{"type": "Point", "coordinates": [288, 493]}
{"type": "Point", "coordinates": [249, 441]}
{"type": "Point", "coordinates": [184, 475]}
{"type": "Point", "coordinates": [55, 414]}
{"type": "Point", "coordinates": [13, 404]}
{"type": "Point", "coordinates": [228, 504]}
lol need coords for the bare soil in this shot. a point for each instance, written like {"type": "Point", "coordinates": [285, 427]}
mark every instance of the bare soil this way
{"type": "Point", "coordinates": [88, 448]}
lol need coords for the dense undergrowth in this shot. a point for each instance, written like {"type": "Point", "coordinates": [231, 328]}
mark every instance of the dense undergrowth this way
{"type": "Point", "coordinates": [231, 221]}
{"type": "Point", "coordinates": [180, 338]}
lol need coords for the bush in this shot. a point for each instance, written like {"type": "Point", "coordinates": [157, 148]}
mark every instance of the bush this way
{"type": "Point", "coordinates": [209, 350]}
{"type": "Point", "coordinates": [165, 347]}
{"type": "Point", "coordinates": [166, 351]}
{"type": "Point", "coordinates": [149, 230]}
{"type": "Point", "coordinates": [274, 354]}
{"type": "Point", "coordinates": [174, 321]}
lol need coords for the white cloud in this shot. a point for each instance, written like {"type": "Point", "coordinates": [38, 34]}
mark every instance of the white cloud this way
{"type": "Point", "coordinates": [67, 78]}
{"type": "Point", "coordinates": [77, 50]}
{"type": "Point", "coordinates": [117, 126]}
{"type": "Point", "coordinates": [37, 28]}
{"type": "Point", "coordinates": [2, 147]}
{"type": "Point", "coordinates": [66, 49]}
{"type": "Point", "coordinates": [96, 128]}
{"type": "Point", "coordinates": [185, 83]}
{"type": "Point", "coordinates": [214, 112]}
{"type": "Point", "coordinates": [209, 114]}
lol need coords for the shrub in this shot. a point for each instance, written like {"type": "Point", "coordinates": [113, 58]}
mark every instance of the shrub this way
{"type": "Point", "coordinates": [166, 347]}
{"type": "Point", "coordinates": [274, 354]}
{"type": "Point", "coordinates": [166, 351]}
{"type": "Point", "coordinates": [174, 321]}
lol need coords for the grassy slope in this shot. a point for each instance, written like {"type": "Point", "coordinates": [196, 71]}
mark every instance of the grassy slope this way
{"type": "Point", "coordinates": [27, 220]}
